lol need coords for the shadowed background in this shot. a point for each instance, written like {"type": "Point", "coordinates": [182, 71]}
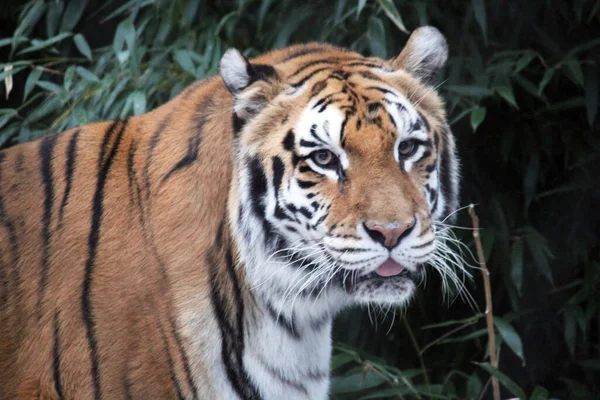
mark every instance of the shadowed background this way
{"type": "Point", "coordinates": [522, 96]}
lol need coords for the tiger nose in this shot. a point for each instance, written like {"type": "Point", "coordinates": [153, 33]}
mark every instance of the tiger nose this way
{"type": "Point", "coordinates": [389, 235]}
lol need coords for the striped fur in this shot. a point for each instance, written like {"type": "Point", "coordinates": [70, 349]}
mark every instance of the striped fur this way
{"type": "Point", "coordinates": [199, 250]}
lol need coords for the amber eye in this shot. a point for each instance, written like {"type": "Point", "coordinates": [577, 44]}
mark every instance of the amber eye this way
{"type": "Point", "coordinates": [323, 158]}
{"type": "Point", "coordinates": [407, 148]}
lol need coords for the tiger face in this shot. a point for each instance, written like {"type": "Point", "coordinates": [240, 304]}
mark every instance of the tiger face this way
{"type": "Point", "coordinates": [344, 165]}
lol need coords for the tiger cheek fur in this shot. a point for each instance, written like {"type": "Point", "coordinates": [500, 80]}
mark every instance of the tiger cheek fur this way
{"type": "Point", "coordinates": [201, 250]}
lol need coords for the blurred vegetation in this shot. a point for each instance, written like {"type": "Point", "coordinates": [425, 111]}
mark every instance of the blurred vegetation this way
{"type": "Point", "coordinates": [522, 94]}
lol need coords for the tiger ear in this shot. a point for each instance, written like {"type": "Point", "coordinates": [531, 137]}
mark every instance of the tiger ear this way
{"type": "Point", "coordinates": [424, 55]}
{"type": "Point", "coordinates": [238, 73]}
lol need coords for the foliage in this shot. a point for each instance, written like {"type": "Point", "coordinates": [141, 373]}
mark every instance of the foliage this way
{"type": "Point", "coordinates": [522, 94]}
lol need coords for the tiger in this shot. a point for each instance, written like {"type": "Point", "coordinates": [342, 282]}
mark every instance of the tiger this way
{"type": "Point", "coordinates": [202, 250]}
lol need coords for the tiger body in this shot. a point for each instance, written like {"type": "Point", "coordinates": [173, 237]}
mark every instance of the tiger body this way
{"type": "Point", "coordinates": [198, 251]}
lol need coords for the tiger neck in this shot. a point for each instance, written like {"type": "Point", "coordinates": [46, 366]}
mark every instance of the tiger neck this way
{"type": "Point", "coordinates": [288, 342]}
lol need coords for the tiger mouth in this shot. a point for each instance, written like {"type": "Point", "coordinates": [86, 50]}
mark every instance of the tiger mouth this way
{"type": "Point", "coordinates": [377, 277]}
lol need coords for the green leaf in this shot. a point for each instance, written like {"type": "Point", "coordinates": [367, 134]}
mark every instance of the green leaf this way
{"type": "Point", "coordinates": [545, 80]}
{"type": "Point", "coordinates": [87, 74]}
{"type": "Point", "coordinates": [539, 393]}
{"type": "Point", "coordinates": [42, 44]}
{"type": "Point", "coordinates": [29, 21]}
{"type": "Point", "coordinates": [72, 14]}
{"type": "Point", "coordinates": [376, 34]}
{"type": "Point", "coordinates": [507, 94]}
{"type": "Point", "coordinates": [185, 61]}
{"type": "Point", "coordinates": [467, 337]}
{"type": "Point", "coordinates": [510, 336]}
{"type": "Point", "coordinates": [138, 99]}
{"type": "Point", "coordinates": [538, 246]}
{"type": "Point", "coordinates": [83, 46]}
{"type": "Point", "coordinates": [570, 332]}
{"type": "Point", "coordinates": [474, 387]}
{"type": "Point", "coordinates": [355, 382]}
{"type": "Point", "coordinates": [463, 321]}
{"type": "Point", "coordinates": [573, 71]}
{"type": "Point", "coordinates": [477, 117]}
{"type": "Point", "coordinates": [480, 17]}
{"type": "Point", "coordinates": [6, 115]}
{"type": "Point", "coordinates": [359, 8]}
{"type": "Point", "coordinates": [510, 385]}
{"type": "Point", "coordinates": [525, 60]}
{"type": "Point", "coordinates": [516, 258]}
{"type": "Point", "coordinates": [49, 86]}
{"type": "Point", "coordinates": [591, 92]}
{"type": "Point", "coordinates": [392, 13]}
{"type": "Point", "coordinates": [55, 9]}
{"type": "Point", "coordinates": [33, 77]}
{"type": "Point", "coordinates": [341, 359]}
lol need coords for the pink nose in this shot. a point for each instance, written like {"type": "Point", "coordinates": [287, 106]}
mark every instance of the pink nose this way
{"type": "Point", "coordinates": [388, 235]}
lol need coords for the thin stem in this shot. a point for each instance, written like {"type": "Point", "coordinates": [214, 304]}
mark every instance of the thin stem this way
{"type": "Point", "coordinates": [418, 350]}
{"type": "Point", "coordinates": [488, 299]}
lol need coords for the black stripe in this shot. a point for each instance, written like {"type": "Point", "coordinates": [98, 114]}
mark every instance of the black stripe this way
{"type": "Point", "coordinates": [46, 153]}
{"type": "Point", "coordinates": [445, 173]}
{"type": "Point", "coordinates": [289, 141]}
{"type": "Point", "coordinates": [152, 146]}
{"type": "Point", "coordinates": [258, 192]}
{"type": "Point", "coordinates": [204, 111]}
{"type": "Point", "coordinates": [172, 373]}
{"type": "Point", "coordinates": [307, 77]}
{"type": "Point", "coordinates": [106, 142]}
{"type": "Point", "coordinates": [188, 159]}
{"type": "Point", "coordinates": [305, 184]}
{"type": "Point", "coordinates": [305, 50]}
{"type": "Point", "coordinates": [422, 245]}
{"type": "Point", "coordinates": [93, 239]}
{"type": "Point", "coordinates": [69, 171]}
{"type": "Point", "coordinates": [232, 337]}
{"type": "Point", "coordinates": [19, 161]}
{"type": "Point", "coordinates": [286, 381]}
{"type": "Point", "coordinates": [288, 325]}
{"type": "Point", "coordinates": [131, 178]}
{"type": "Point", "coordinates": [307, 143]}
{"type": "Point", "coordinates": [56, 358]}
{"type": "Point", "coordinates": [424, 121]}
{"type": "Point", "coordinates": [313, 63]}
{"type": "Point", "coordinates": [278, 171]}
{"type": "Point", "coordinates": [12, 238]}
{"type": "Point", "coordinates": [184, 359]}
{"type": "Point", "coordinates": [127, 385]}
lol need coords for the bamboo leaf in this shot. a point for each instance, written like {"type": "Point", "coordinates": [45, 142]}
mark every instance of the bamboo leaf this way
{"type": "Point", "coordinates": [83, 46]}
{"type": "Point", "coordinates": [508, 383]}
{"type": "Point", "coordinates": [477, 117]}
{"type": "Point", "coordinates": [33, 77]}
{"type": "Point", "coordinates": [87, 74]}
{"type": "Point", "coordinates": [392, 13]}
{"type": "Point", "coordinates": [480, 17]}
{"type": "Point", "coordinates": [355, 382]}
{"type": "Point", "coordinates": [72, 14]}
{"type": "Point", "coordinates": [510, 336]}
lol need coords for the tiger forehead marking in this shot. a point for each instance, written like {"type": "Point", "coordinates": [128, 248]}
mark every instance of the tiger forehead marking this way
{"type": "Point", "coordinates": [201, 250]}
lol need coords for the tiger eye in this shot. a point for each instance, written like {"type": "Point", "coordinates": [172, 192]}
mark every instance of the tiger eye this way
{"type": "Point", "coordinates": [323, 157]}
{"type": "Point", "coordinates": [407, 148]}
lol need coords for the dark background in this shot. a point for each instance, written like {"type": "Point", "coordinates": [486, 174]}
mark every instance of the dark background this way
{"type": "Point", "coordinates": [522, 97]}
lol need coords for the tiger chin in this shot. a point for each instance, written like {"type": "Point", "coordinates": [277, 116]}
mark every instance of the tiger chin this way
{"type": "Point", "coordinates": [201, 250]}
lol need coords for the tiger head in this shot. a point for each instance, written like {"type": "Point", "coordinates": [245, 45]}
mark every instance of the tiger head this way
{"type": "Point", "coordinates": [343, 166]}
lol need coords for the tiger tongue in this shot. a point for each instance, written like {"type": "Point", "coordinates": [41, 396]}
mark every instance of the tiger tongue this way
{"type": "Point", "coordinates": [389, 268]}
